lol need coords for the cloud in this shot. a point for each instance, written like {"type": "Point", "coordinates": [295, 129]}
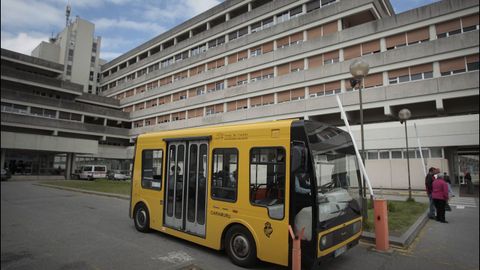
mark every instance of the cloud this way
{"type": "Point", "coordinates": [22, 42]}
{"type": "Point", "coordinates": [178, 10]}
{"type": "Point", "coordinates": [31, 14]}
{"type": "Point", "coordinates": [109, 55]}
{"type": "Point", "coordinates": [106, 24]}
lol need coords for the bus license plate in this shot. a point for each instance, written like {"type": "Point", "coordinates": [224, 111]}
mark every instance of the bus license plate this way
{"type": "Point", "coordinates": [340, 251]}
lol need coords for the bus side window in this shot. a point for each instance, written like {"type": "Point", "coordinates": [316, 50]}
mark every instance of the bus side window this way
{"type": "Point", "coordinates": [152, 169]}
{"type": "Point", "coordinates": [225, 174]}
{"type": "Point", "coordinates": [267, 179]}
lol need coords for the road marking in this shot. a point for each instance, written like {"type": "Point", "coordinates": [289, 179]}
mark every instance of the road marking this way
{"type": "Point", "coordinates": [175, 257]}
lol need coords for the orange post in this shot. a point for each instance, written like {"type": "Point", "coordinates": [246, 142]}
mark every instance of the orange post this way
{"type": "Point", "coordinates": [296, 249]}
{"type": "Point", "coordinates": [381, 224]}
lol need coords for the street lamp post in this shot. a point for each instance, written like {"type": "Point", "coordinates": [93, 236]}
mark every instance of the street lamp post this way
{"type": "Point", "coordinates": [404, 115]}
{"type": "Point", "coordinates": [359, 69]}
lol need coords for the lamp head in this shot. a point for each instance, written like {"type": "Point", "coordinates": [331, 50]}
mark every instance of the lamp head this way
{"type": "Point", "coordinates": [359, 68]}
{"type": "Point", "coordinates": [404, 115]}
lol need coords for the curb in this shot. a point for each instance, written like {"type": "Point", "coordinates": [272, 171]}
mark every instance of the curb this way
{"type": "Point", "coordinates": [407, 238]}
{"type": "Point", "coordinates": [124, 197]}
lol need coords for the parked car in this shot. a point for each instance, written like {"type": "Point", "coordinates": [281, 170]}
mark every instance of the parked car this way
{"type": "Point", "coordinates": [118, 175]}
{"type": "Point", "coordinates": [6, 174]}
{"type": "Point", "coordinates": [92, 172]}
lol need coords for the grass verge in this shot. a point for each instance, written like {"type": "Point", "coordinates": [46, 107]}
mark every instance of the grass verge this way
{"type": "Point", "coordinates": [100, 185]}
{"type": "Point", "coordinates": [401, 216]}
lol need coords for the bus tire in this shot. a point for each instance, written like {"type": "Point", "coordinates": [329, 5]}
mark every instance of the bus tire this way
{"type": "Point", "coordinates": [240, 246]}
{"type": "Point", "coordinates": [141, 218]}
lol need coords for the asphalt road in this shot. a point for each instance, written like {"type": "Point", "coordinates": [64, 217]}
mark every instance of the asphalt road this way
{"type": "Point", "coordinates": [45, 228]}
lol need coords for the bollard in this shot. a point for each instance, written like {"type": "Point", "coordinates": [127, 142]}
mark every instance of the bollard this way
{"type": "Point", "coordinates": [381, 224]}
{"type": "Point", "coordinates": [296, 249]}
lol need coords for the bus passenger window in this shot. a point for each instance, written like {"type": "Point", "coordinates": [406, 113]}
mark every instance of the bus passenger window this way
{"type": "Point", "coordinates": [225, 174]}
{"type": "Point", "coordinates": [267, 179]}
{"type": "Point", "coordinates": [152, 169]}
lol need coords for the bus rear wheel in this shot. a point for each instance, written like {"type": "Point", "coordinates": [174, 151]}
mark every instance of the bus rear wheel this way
{"type": "Point", "coordinates": [240, 246]}
{"type": "Point", "coordinates": [141, 218]}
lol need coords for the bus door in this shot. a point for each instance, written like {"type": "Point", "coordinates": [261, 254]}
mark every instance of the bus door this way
{"type": "Point", "coordinates": [196, 188]}
{"type": "Point", "coordinates": [186, 186]}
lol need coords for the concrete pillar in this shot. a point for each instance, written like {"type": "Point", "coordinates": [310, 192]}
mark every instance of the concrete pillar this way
{"type": "Point", "coordinates": [55, 133]}
{"type": "Point", "coordinates": [339, 25]}
{"type": "Point", "coordinates": [387, 110]}
{"type": "Point", "coordinates": [433, 32]}
{"type": "Point", "coordinates": [383, 45]}
{"type": "Point", "coordinates": [208, 25]}
{"type": "Point", "coordinates": [439, 105]}
{"type": "Point", "coordinates": [190, 33]}
{"type": "Point", "coordinates": [307, 91]}
{"type": "Point", "coordinates": [436, 70]}
{"type": "Point", "coordinates": [3, 158]}
{"type": "Point", "coordinates": [340, 56]}
{"type": "Point", "coordinates": [385, 78]}
{"type": "Point", "coordinates": [275, 71]}
{"type": "Point", "coordinates": [304, 9]}
{"type": "Point", "coordinates": [68, 167]}
{"type": "Point", "coordinates": [82, 118]}
{"type": "Point", "coordinates": [174, 40]}
{"type": "Point", "coordinates": [305, 63]}
{"type": "Point", "coordinates": [227, 17]}
{"type": "Point", "coordinates": [343, 89]}
{"type": "Point", "coordinates": [105, 121]}
{"type": "Point", "coordinates": [249, 7]}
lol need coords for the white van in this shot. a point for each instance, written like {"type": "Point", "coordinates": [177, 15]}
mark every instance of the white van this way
{"type": "Point", "coordinates": [92, 172]}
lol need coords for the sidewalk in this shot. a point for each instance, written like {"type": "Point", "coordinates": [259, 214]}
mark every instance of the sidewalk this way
{"type": "Point", "coordinates": [446, 246]}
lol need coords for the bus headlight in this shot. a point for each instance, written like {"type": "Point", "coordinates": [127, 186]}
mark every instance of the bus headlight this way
{"type": "Point", "coordinates": [356, 227]}
{"type": "Point", "coordinates": [325, 241]}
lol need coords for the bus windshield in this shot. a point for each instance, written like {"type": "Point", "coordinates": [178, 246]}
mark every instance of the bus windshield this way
{"type": "Point", "coordinates": [336, 172]}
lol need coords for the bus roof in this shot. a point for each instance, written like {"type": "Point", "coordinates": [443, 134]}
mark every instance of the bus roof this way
{"type": "Point", "coordinates": [190, 132]}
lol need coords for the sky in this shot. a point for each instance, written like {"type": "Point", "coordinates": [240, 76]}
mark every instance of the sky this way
{"type": "Point", "coordinates": [122, 24]}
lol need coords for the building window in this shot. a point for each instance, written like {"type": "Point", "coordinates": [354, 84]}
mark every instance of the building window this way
{"type": "Point", "coordinates": [267, 179]}
{"type": "Point", "coordinates": [152, 169]}
{"type": "Point", "coordinates": [225, 174]}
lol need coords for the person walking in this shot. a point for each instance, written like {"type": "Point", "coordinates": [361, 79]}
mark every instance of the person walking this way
{"type": "Point", "coordinates": [468, 179]}
{"type": "Point", "coordinates": [440, 197]}
{"type": "Point", "coordinates": [428, 188]}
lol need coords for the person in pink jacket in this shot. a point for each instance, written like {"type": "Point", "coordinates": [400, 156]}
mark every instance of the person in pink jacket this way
{"type": "Point", "coordinates": [440, 197]}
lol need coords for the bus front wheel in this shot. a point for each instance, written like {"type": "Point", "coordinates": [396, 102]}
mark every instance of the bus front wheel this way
{"type": "Point", "coordinates": [240, 246]}
{"type": "Point", "coordinates": [141, 218]}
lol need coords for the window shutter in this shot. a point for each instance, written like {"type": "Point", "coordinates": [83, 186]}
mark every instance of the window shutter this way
{"type": "Point", "coordinates": [374, 80]}
{"type": "Point", "coordinates": [371, 47]}
{"type": "Point", "coordinates": [421, 69]}
{"type": "Point", "coordinates": [470, 20]}
{"type": "Point", "coordinates": [452, 64]}
{"type": "Point", "coordinates": [398, 73]}
{"type": "Point", "coordinates": [418, 35]}
{"type": "Point", "coordinates": [283, 69]}
{"type": "Point", "coordinates": [396, 40]}
{"type": "Point", "coordinates": [445, 27]}
{"type": "Point", "coordinates": [315, 61]}
{"type": "Point", "coordinates": [330, 28]}
{"type": "Point", "coordinates": [315, 32]}
{"type": "Point", "coordinates": [351, 52]}
{"type": "Point", "coordinates": [283, 96]}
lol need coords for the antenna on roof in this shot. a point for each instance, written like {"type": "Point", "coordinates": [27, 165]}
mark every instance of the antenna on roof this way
{"type": "Point", "coordinates": [68, 9]}
{"type": "Point", "coordinates": [52, 39]}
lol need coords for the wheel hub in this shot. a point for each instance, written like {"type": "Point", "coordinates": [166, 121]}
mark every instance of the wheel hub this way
{"type": "Point", "coordinates": [240, 246]}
